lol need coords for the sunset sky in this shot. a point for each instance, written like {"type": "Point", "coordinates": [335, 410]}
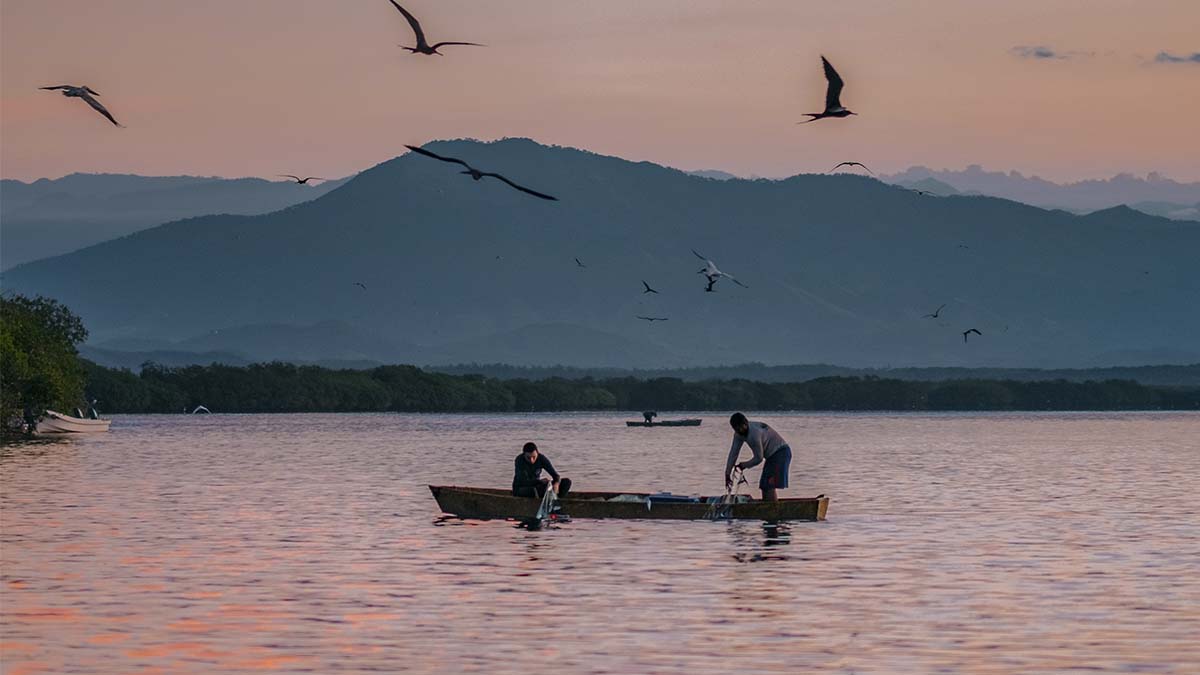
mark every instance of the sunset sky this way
{"type": "Point", "coordinates": [1066, 89]}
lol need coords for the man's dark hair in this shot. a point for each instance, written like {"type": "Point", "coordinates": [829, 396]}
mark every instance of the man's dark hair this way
{"type": "Point", "coordinates": [737, 419]}
{"type": "Point", "coordinates": [529, 447]}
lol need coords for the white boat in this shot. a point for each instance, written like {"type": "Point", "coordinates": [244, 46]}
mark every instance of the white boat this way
{"type": "Point", "coordinates": [58, 423]}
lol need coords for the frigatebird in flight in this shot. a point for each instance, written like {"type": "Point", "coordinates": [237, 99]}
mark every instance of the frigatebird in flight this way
{"type": "Point", "coordinates": [851, 164]}
{"type": "Point", "coordinates": [298, 180]}
{"type": "Point", "coordinates": [423, 46]}
{"type": "Point", "coordinates": [712, 274]}
{"type": "Point", "coordinates": [477, 174]}
{"type": "Point", "coordinates": [969, 331]}
{"type": "Point", "coordinates": [579, 264]}
{"type": "Point", "coordinates": [833, 95]}
{"type": "Point", "coordinates": [361, 285]}
{"type": "Point", "coordinates": [937, 312]}
{"type": "Point", "coordinates": [648, 289]}
{"type": "Point", "coordinates": [86, 93]}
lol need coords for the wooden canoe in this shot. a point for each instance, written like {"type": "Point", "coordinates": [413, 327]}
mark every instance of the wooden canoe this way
{"type": "Point", "coordinates": [666, 423]}
{"type": "Point", "coordinates": [488, 503]}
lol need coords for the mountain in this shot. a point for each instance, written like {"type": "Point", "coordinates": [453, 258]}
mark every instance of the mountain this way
{"type": "Point", "coordinates": [51, 217]}
{"type": "Point", "coordinates": [1173, 199]}
{"type": "Point", "coordinates": [840, 269]}
{"type": "Point", "coordinates": [715, 174]}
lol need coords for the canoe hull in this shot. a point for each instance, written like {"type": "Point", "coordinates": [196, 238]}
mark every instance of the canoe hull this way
{"type": "Point", "coordinates": [666, 423]}
{"type": "Point", "coordinates": [58, 423]}
{"type": "Point", "coordinates": [491, 503]}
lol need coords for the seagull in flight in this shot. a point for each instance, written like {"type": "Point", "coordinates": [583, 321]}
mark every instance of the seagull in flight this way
{"type": "Point", "coordinates": [299, 180]}
{"type": "Point", "coordinates": [477, 174]}
{"type": "Point", "coordinates": [652, 319]}
{"type": "Point", "coordinates": [579, 264]}
{"type": "Point", "coordinates": [423, 46]}
{"type": "Point", "coordinates": [648, 289]}
{"type": "Point", "coordinates": [86, 93]}
{"type": "Point", "coordinates": [361, 285]}
{"type": "Point", "coordinates": [851, 164]}
{"type": "Point", "coordinates": [713, 274]}
{"type": "Point", "coordinates": [936, 313]}
{"type": "Point", "coordinates": [969, 331]}
{"type": "Point", "coordinates": [833, 103]}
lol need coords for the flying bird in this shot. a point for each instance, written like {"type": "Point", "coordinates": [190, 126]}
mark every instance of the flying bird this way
{"type": "Point", "coordinates": [648, 289]}
{"type": "Point", "coordinates": [935, 314]}
{"type": "Point", "coordinates": [477, 174]}
{"type": "Point", "coordinates": [652, 319]}
{"type": "Point", "coordinates": [299, 180]}
{"type": "Point", "coordinates": [712, 274]}
{"type": "Point", "coordinates": [969, 331]}
{"type": "Point", "coordinates": [851, 164]}
{"type": "Point", "coordinates": [579, 264]}
{"type": "Point", "coordinates": [833, 103]}
{"type": "Point", "coordinates": [361, 285]}
{"type": "Point", "coordinates": [423, 46]}
{"type": "Point", "coordinates": [924, 193]}
{"type": "Point", "coordinates": [86, 93]}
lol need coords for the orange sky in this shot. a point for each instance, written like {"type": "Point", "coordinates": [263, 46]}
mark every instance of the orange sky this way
{"type": "Point", "coordinates": [319, 87]}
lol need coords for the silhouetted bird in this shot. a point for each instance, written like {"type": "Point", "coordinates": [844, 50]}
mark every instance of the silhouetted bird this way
{"type": "Point", "coordinates": [299, 180]}
{"type": "Point", "coordinates": [477, 174]}
{"type": "Point", "coordinates": [579, 263]}
{"type": "Point", "coordinates": [923, 193]}
{"type": "Point", "coordinates": [851, 164]}
{"type": "Point", "coordinates": [969, 331]}
{"type": "Point", "coordinates": [833, 94]}
{"type": "Point", "coordinates": [86, 93]}
{"type": "Point", "coordinates": [361, 285]}
{"type": "Point", "coordinates": [423, 46]}
{"type": "Point", "coordinates": [713, 274]}
{"type": "Point", "coordinates": [652, 319]}
{"type": "Point", "coordinates": [935, 314]}
{"type": "Point", "coordinates": [648, 289]}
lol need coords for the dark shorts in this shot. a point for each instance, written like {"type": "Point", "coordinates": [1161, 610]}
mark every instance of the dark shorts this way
{"type": "Point", "coordinates": [775, 470]}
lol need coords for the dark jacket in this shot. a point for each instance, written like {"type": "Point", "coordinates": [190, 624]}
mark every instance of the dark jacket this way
{"type": "Point", "coordinates": [526, 474]}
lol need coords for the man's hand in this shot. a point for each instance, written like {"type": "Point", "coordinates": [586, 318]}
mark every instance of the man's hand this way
{"type": "Point", "coordinates": [728, 482]}
{"type": "Point", "coordinates": [740, 466]}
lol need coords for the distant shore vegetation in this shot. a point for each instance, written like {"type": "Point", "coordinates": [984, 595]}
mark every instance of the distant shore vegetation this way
{"type": "Point", "coordinates": [284, 387]}
{"type": "Point", "coordinates": [40, 368]}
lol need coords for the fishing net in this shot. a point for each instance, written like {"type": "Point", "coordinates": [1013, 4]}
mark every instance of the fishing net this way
{"type": "Point", "coordinates": [549, 503]}
{"type": "Point", "coordinates": [719, 507]}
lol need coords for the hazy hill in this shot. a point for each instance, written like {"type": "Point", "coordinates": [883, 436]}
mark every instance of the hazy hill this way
{"type": "Point", "coordinates": [1157, 194]}
{"type": "Point", "coordinates": [50, 217]}
{"type": "Point", "coordinates": [840, 269]}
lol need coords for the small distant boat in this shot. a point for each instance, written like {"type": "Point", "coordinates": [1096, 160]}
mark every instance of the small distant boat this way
{"type": "Point", "coordinates": [58, 423]}
{"type": "Point", "coordinates": [489, 503]}
{"type": "Point", "coordinates": [666, 423]}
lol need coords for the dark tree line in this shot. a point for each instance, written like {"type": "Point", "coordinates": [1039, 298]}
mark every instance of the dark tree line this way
{"type": "Point", "coordinates": [283, 387]}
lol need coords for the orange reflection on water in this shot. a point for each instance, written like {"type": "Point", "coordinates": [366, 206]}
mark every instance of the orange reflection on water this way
{"type": "Point", "coordinates": [108, 638]}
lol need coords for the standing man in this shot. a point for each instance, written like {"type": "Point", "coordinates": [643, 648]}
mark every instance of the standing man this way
{"type": "Point", "coordinates": [766, 444]}
{"type": "Point", "coordinates": [527, 475]}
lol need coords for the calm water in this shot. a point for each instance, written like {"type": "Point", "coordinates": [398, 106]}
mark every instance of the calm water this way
{"type": "Point", "coordinates": [955, 543]}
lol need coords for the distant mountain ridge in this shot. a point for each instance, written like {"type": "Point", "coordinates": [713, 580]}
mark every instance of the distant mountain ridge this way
{"type": "Point", "coordinates": [840, 269]}
{"type": "Point", "coordinates": [50, 217]}
{"type": "Point", "coordinates": [1155, 193]}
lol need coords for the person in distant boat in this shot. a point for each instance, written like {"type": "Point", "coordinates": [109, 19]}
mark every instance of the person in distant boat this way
{"type": "Point", "coordinates": [769, 449]}
{"type": "Point", "coordinates": [527, 475]}
{"type": "Point", "coordinates": [649, 415]}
